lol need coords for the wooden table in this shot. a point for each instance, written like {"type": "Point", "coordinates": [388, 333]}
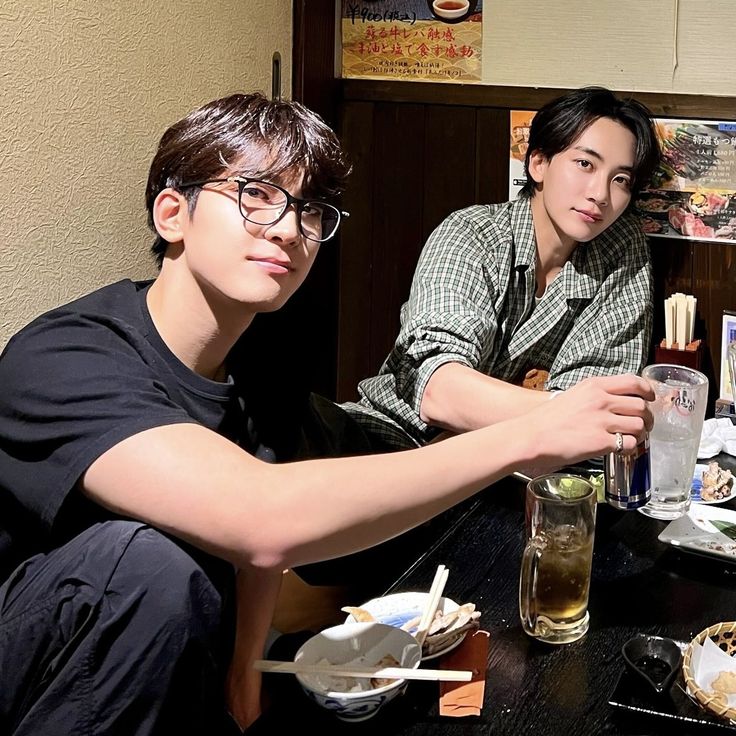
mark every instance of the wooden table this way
{"type": "Point", "coordinates": [639, 585]}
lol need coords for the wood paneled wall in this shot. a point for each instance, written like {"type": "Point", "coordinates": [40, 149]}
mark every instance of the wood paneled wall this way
{"type": "Point", "coordinates": [422, 150]}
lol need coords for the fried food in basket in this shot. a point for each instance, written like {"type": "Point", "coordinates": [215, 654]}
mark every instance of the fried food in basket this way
{"type": "Point", "coordinates": [725, 683]}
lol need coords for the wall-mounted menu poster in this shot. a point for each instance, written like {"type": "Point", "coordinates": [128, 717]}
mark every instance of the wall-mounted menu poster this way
{"type": "Point", "coordinates": [520, 122]}
{"type": "Point", "coordinates": [693, 192]}
{"type": "Point", "coordinates": [415, 40]}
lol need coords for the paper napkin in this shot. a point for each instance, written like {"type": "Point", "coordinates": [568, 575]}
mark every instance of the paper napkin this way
{"type": "Point", "coordinates": [708, 662]}
{"type": "Point", "coordinates": [718, 435]}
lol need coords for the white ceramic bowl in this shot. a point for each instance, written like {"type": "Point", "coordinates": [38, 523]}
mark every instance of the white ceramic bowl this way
{"type": "Point", "coordinates": [344, 644]}
{"type": "Point", "coordinates": [450, 12]}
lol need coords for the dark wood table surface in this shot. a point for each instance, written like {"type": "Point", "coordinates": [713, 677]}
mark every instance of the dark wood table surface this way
{"type": "Point", "coordinates": [639, 584]}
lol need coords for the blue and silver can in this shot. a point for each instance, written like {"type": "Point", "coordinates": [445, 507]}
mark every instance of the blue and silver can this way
{"type": "Point", "coordinates": [627, 478]}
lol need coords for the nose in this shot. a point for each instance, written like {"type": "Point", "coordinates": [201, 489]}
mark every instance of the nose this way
{"type": "Point", "coordinates": [598, 190]}
{"type": "Point", "coordinates": [286, 229]}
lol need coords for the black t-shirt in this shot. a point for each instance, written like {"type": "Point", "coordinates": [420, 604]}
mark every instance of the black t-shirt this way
{"type": "Point", "coordinates": [83, 377]}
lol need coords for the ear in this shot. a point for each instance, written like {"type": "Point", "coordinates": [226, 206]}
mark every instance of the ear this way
{"type": "Point", "coordinates": [169, 210]}
{"type": "Point", "coordinates": [537, 166]}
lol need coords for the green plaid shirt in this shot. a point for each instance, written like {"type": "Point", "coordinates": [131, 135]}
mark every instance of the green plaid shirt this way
{"type": "Point", "coordinates": [473, 302]}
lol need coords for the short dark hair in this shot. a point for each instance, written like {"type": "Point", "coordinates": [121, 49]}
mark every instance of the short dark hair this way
{"type": "Point", "coordinates": [246, 134]}
{"type": "Point", "coordinates": [562, 121]}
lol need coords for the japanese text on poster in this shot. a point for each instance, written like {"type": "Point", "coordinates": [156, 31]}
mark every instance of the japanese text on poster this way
{"type": "Point", "coordinates": [428, 40]}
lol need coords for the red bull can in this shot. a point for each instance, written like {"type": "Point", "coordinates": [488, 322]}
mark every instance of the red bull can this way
{"type": "Point", "coordinates": [627, 478]}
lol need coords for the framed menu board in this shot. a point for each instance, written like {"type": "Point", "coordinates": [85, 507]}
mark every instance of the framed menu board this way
{"type": "Point", "coordinates": [693, 192]}
{"type": "Point", "coordinates": [415, 40]}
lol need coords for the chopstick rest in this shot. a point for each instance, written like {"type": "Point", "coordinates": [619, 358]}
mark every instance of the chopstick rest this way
{"type": "Point", "coordinates": [466, 699]}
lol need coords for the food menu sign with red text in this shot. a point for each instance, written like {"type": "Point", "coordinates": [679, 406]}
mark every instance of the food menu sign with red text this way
{"type": "Point", "coordinates": [416, 40]}
{"type": "Point", "coordinates": [693, 192]}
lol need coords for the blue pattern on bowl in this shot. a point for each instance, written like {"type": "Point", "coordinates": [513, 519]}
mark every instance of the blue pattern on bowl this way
{"type": "Point", "coordinates": [345, 643]}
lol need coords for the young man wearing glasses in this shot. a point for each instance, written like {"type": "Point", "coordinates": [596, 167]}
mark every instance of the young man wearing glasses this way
{"type": "Point", "coordinates": [556, 283]}
{"type": "Point", "coordinates": [145, 511]}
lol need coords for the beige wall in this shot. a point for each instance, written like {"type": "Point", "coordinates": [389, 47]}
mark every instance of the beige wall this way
{"type": "Point", "coordinates": [86, 89]}
{"type": "Point", "coordinates": [639, 45]}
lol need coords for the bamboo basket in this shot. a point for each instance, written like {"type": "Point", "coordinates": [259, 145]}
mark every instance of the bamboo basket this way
{"type": "Point", "coordinates": [724, 635]}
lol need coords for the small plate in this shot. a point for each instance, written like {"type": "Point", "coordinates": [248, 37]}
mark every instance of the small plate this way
{"type": "Point", "coordinates": [398, 608]}
{"type": "Point", "coordinates": [676, 705]}
{"type": "Point", "coordinates": [707, 530]}
{"type": "Point", "coordinates": [698, 485]}
{"type": "Point", "coordinates": [655, 660]}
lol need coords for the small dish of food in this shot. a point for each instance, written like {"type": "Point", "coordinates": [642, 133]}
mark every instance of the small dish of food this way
{"type": "Point", "coordinates": [712, 484]}
{"type": "Point", "coordinates": [653, 205]}
{"type": "Point", "coordinates": [708, 203]}
{"type": "Point", "coordinates": [404, 610]}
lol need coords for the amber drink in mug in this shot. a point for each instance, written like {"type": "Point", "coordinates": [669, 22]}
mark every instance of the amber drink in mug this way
{"type": "Point", "coordinates": [681, 395]}
{"type": "Point", "coordinates": [555, 568]}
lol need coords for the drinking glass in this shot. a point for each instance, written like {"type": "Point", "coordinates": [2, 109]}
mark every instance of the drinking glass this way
{"type": "Point", "coordinates": [732, 369]}
{"type": "Point", "coordinates": [555, 568]}
{"type": "Point", "coordinates": [678, 409]}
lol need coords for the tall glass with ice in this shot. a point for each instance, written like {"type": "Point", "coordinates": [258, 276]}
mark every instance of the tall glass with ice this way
{"type": "Point", "coordinates": [555, 568]}
{"type": "Point", "coordinates": [678, 409]}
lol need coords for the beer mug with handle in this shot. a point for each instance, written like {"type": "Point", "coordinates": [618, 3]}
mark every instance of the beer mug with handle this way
{"type": "Point", "coordinates": [555, 568]}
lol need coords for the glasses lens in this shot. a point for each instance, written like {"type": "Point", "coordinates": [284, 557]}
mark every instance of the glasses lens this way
{"type": "Point", "coordinates": [262, 203]}
{"type": "Point", "coordinates": [319, 221]}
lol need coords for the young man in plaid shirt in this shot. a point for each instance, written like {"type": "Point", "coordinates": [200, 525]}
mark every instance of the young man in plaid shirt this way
{"type": "Point", "coordinates": [556, 281]}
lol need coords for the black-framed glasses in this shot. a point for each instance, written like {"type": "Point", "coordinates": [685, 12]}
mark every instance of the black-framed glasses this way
{"type": "Point", "coordinates": [263, 203]}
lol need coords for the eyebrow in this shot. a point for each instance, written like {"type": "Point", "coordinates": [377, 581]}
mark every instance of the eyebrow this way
{"type": "Point", "coordinates": [595, 154]}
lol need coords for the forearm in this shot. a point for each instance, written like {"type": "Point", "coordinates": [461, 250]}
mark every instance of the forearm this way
{"type": "Point", "coordinates": [363, 501]}
{"type": "Point", "coordinates": [257, 591]}
{"type": "Point", "coordinates": [388, 494]}
{"type": "Point", "coordinates": [196, 485]}
{"type": "Point", "coordinates": [461, 399]}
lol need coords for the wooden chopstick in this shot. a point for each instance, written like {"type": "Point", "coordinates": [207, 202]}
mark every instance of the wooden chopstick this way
{"type": "Point", "coordinates": [433, 602]}
{"type": "Point", "coordinates": [398, 673]}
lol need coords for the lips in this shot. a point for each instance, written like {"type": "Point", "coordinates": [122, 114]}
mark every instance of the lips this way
{"type": "Point", "coordinates": [273, 265]}
{"type": "Point", "coordinates": [589, 215]}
